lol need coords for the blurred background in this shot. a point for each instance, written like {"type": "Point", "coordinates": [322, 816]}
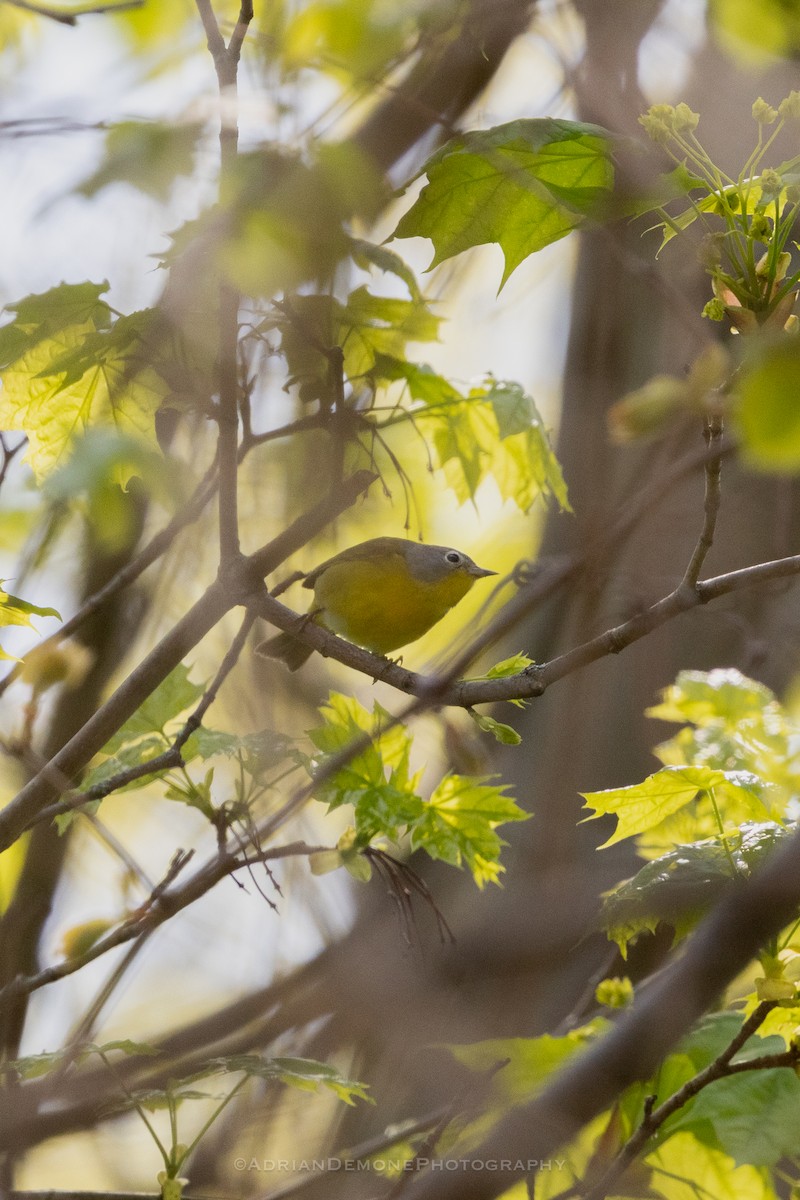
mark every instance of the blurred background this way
{"type": "Point", "coordinates": [328, 973]}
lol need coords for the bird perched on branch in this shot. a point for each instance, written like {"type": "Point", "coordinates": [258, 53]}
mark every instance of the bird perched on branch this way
{"type": "Point", "coordinates": [381, 594]}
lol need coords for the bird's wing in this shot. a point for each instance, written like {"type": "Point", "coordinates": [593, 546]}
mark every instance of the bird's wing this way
{"type": "Point", "coordinates": [374, 548]}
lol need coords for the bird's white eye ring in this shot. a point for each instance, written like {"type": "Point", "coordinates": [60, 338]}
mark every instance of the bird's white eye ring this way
{"type": "Point", "coordinates": [453, 556]}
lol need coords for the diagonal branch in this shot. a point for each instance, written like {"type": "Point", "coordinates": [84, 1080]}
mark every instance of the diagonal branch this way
{"type": "Point", "coordinates": [226, 593]}
{"type": "Point", "coordinates": [720, 1068]}
{"type": "Point", "coordinates": [722, 946]}
{"type": "Point", "coordinates": [446, 689]}
{"type": "Point", "coordinates": [160, 906]}
{"type": "Point", "coordinates": [172, 757]}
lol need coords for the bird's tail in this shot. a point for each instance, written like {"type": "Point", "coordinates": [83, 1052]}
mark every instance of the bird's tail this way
{"type": "Point", "coordinates": [290, 650]}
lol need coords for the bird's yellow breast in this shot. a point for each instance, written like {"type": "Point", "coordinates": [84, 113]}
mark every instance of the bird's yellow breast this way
{"type": "Point", "coordinates": [380, 605]}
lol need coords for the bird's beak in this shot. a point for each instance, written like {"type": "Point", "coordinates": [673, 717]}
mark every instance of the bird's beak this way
{"type": "Point", "coordinates": [480, 572]}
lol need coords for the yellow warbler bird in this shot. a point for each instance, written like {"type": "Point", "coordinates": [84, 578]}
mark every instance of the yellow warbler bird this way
{"type": "Point", "coordinates": [381, 594]}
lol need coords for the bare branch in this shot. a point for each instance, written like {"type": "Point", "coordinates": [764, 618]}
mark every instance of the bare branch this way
{"type": "Point", "coordinates": [240, 30]}
{"type": "Point", "coordinates": [159, 907]}
{"type": "Point", "coordinates": [534, 680]}
{"type": "Point", "coordinates": [713, 438]}
{"type": "Point", "coordinates": [128, 574]}
{"type": "Point", "coordinates": [171, 757]}
{"type": "Point", "coordinates": [70, 17]}
{"type": "Point", "coordinates": [216, 43]}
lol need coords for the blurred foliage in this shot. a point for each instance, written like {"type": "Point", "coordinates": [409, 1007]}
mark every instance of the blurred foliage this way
{"type": "Point", "coordinates": [327, 358]}
{"type": "Point", "coordinates": [754, 32]}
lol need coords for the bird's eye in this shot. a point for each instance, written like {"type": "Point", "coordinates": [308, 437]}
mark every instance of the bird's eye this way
{"type": "Point", "coordinates": [453, 557]}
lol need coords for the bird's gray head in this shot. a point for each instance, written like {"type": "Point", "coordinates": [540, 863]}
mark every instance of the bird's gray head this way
{"type": "Point", "coordinates": [432, 563]}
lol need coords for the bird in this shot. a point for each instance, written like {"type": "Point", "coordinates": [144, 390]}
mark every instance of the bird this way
{"type": "Point", "coordinates": [381, 594]}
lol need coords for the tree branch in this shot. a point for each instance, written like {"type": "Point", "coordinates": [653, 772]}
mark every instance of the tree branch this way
{"type": "Point", "coordinates": [720, 1068]}
{"type": "Point", "coordinates": [726, 941]}
{"type": "Point", "coordinates": [226, 64]}
{"type": "Point", "coordinates": [128, 574]}
{"type": "Point", "coordinates": [236, 587]}
{"type": "Point", "coordinates": [534, 680]}
{"type": "Point", "coordinates": [159, 907]}
{"type": "Point", "coordinates": [172, 757]}
{"type": "Point", "coordinates": [713, 438]}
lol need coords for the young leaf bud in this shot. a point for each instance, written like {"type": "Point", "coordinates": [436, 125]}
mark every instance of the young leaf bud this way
{"type": "Point", "coordinates": [685, 120]}
{"type": "Point", "coordinates": [770, 182]}
{"type": "Point", "coordinates": [789, 108]}
{"type": "Point", "coordinates": [714, 310]}
{"type": "Point", "coordinates": [764, 113]}
{"type": "Point", "coordinates": [648, 409]}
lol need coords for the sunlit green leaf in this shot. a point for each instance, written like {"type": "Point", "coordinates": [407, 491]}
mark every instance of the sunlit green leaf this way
{"type": "Point", "coordinates": [642, 806]}
{"type": "Point", "coordinates": [519, 1066]}
{"type": "Point", "coordinates": [367, 254]}
{"type": "Point", "coordinates": [15, 611]}
{"type": "Point", "coordinates": [685, 1169]}
{"type": "Point", "coordinates": [68, 378]}
{"type": "Point", "coordinates": [424, 384]}
{"type": "Point", "coordinates": [304, 1073]}
{"type": "Point", "coordinates": [494, 431]}
{"type": "Point", "coordinates": [40, 317]}
{"type": "Point", "coordinates": [723, 695]}
{"type": "Point", "coordinates": [504, 734]}
{"type": "Point", "coordinates": [680, 886]}
{"type": "Point", "coordinates": [126, 756]}
{"type": "Point", "coordinates": [523, 185]}
{"type": "Point", "coordinates": [459, 825]}
{"type": "Point", "coordinates": [373, 332]}
{"type": "Point", "coordinates": [508, 667]}
{"type": "Point", "coordinates": [35, 1065]}
{"type": "Point", "coordinates": [205, 743]}
{"type": "Point", "coordinates": [173, 696]}
{"type": "Point", "coordinates": [754, 1117]}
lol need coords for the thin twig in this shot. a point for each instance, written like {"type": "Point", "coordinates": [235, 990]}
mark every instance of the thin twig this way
{"type": "Point", "coordinates": [159, 907]}
{"type": "Point", "coordinates": [161, 542]}
{"type": "Point", "coordinates": [123, 854]}
{"type": "Point", "coordinates": [169, 759]}
{"type": "Point", "coordinates": [712, 433]}
{"type": "Point", "coordinates": [721, 1067]}
{"type": "Point", "coordinates": [132, 570]}
{"type": "Point", "coordinates": [240, 30]}
{"type": "Point", "coordinates": [228, 419]}
{"type": "Point", "coordinates": [82, 1031]}
{"type": "Point", "coordinates": [226, 64]}
{"type": "Point", "coordinates": [216, 43]}
{"type": "Point", "coordinates": [237, 587]}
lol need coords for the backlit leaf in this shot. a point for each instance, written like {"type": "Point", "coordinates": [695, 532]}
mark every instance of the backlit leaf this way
{"type": "Point", "coordinates": [523, 185]}
{"type": "Point", "coordinates": [645, 805]}
{"type": "Point", "coordinates": [678, 887]}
